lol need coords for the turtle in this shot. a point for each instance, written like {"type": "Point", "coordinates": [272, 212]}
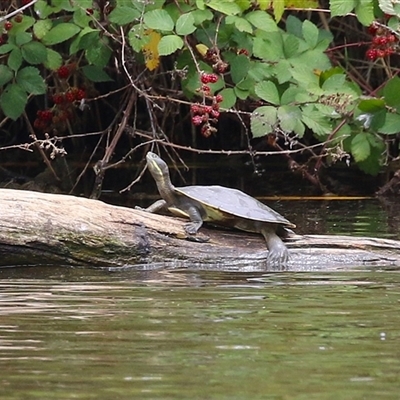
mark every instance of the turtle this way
{"type": "Point", "coordinates": [222, 206]}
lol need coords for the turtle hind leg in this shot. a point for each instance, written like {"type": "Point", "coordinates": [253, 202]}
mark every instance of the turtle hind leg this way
{"type": "Point", "coordinates": [278, 255]}
{"type": "Point", "coordinates": [196, 221]}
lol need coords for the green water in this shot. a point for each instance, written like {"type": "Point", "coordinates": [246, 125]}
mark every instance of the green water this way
{"type": "Point", "coordinates": [276, 336]}
{"type": "Point", "coordinates": [186, 334]}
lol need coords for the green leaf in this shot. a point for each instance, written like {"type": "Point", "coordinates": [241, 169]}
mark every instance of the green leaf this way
{"type": "Point", "coordinates": [263, 120]}
{"type": "Point", "coordinates": [365, 12]}
{"type": "Point", "coordinates": [371, 105]}
{"type": "Point", "coordinates": [22, 26]}
{"type": "Point", "coordinates": [60, 33]}
{"type": "Point", "coordinates": [158, 20]}
{"type": "Point", "coordinates": [6, 48]}
{"type": "Point", "coordinates": [269, 50]}
{"type": "Point", "coordinates": [239, 68]}
{"type": "Point", "coordinates": [137, 39]}
{"type": "Point", "coordinates": [291, 46]}
{"type": "Point", "coordinates": [391, 125]}
{"type": "Point", "coordinates": [391, 92]}
{"type": "Point", "coordinates": [34, 52]}
{"type": "Point", "coordinates": [41, 28]}
{"type": "Point", "coordinates": [341, 7]}
{"type": "Point", "coordinates": [279, 8]}
{"type": "Point", "coordinates": [267, 91]}
{"type": "Point", "coordinates": [283, 71]}
{"type": "Point", "coordinates": [387, 6]}
{"type": "Point", "coordinates": [22, 38]}
{"type": "Point", "coordinates": [262, 20]}
{"type": "Point", "coordinates": [310, 33]}
{"type": "Point", "coordinates": [123, 15]}
{"type": "Point", "coordinates": [169, 44]}
{"type": "Point", "coordinates": [29, 79]}
{"type": "Point", "coordinates": [96, 74]}
{"type": "Point", "coordinates": [81, 17]}
{"type": "Point", "coordinates": [185, 24]}
{"type": "Point", "coordinates": [224, 6]}
{"type": "Point", "coordinates": [15, 59]}
{"type": "Point", "coordinates": [290, 119]}
{"type": "Point", "coordinates": [240, 23]}
{"type": "Point", "coordinates": [202, 15]}
{"type": "Point", "coordinates": [43, 9]}
{"type": "Point", "coordinates": [319, 124]}
{"type": "Point", "coordinates": [13, 101]}
{"type": "Point", "coordinates": [86, 39]}
{"type": "Point", "coordinates": [290, 94]}
{"type": "Point", "coordinates": [53, 60]}
{"type": "Point", "coordinates": [360, 147]}
{"type": "Point", "coordinates": [99, 53]}
{"type": "Point", "coordinates": [229, 98]}
{"type": "Point", "coordinates": [5, 74]}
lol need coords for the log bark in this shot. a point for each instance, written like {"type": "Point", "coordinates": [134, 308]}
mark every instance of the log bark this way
{"type": "Point", "coordinates": [40, 228]}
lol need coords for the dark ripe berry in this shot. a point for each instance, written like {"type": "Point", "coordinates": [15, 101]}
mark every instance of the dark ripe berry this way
{"type": "Point", "coordinates": [243, 51]}
{"type": "Point", "coordinates": [18, 18]}
{"type": "Point", "coordinates": [221, 67]}
{"type": "Point", "coordinates": [59, 98]}
{"type": "Point", "coordinates": [215, 106]}
{"type": "Point", "coordinates": [195, 108]}
{"type": "Point", "coordinates": [89, 11]}
{"type": "Point", "coordinates": [197, 120]}
{"type": "Point", "coordinates": [206, 131]}
{"type": "Point", "coordinates": [205, 88]}
{"type": "Point", "coordinates": [8, 25]}
{"type": "Point", "coordinates": [204, 78]}
{"type": "Point", "coordinates": [63, 115]}
{"type": "Point", "coordinates": [40, 124]}
{"type": "Point", "coordinates": [214, 113]}
{"type": "Point", "coordinates": [44, 115]}
{"type": "Point", "coordinates": [219, 98]}
{"type": "Point", "coordinates": [371, 54]}
{"type": "Point", "coordinates": [376, 41]}
{"type": "Point", "coordinates": [70, 96]}
{"type": "Point", "coordinates": [63, 72]}
{"type": "Point", "coordinates": [212, 78]}
{"type": "Point", "coordinates": [380, 53]}
{"type": "Point", "coordinates": [207, 109]}
{"type": "Point", "coordinates": [389, 51]}
{"type": "Point", "coordinates": [80, 94]}
{"type": "Point", "coordinates": [208, 78]}
{"type": "Point", "coordinates": [372, 29]}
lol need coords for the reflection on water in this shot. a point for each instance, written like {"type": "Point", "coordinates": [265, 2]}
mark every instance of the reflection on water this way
{"type": "Point", "coordinates": [227, 336]}
{"type": "Point", "coordinates": [75, 333]}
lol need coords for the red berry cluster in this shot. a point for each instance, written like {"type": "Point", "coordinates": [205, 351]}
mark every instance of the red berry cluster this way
{"type": "Point", "coordinates": [203, 114]}
{"type": "Point", "coordinates": [213, 57]}
{"type": "Point", "coordinates": [61, 111]}
{"type": "Point", "coordinates": [383, 42]}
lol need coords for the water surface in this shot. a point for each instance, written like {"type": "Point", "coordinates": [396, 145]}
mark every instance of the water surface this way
{"type": "Point", "coordinates": [86, 333]}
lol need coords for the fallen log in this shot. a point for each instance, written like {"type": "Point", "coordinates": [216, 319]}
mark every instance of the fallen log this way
{"type": "Point", "coordinates": [40, 228]}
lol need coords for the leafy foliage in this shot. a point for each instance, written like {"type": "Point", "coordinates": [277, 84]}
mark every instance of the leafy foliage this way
{"type": "Point", "coordinates": [278, 73]}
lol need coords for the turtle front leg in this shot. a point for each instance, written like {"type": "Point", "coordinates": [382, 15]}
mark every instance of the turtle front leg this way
{"type": "Point", "coordinates": [196, 221]}
{"type": "Point", "coordinates": [155, 207]}
{"type": "Point", "coordinates": [278, 255]}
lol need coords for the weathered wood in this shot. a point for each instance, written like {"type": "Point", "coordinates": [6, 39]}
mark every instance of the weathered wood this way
{"type": "Point", "coordinates": [39, 228]}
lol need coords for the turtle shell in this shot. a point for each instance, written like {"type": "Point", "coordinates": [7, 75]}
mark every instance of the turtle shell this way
{"type": "Point", "coordinates": [222, 203]}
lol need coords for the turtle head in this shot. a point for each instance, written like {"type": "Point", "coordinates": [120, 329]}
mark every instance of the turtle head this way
{"type": "Point", "coordinates": [158, 169]}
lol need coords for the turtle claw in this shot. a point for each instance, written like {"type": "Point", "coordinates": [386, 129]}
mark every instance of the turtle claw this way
{"type": "Point", "coordinates": [278, 258]}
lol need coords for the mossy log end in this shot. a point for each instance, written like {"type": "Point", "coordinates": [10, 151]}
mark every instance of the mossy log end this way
{"type": "Point", "coordinates": [39, 228]}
